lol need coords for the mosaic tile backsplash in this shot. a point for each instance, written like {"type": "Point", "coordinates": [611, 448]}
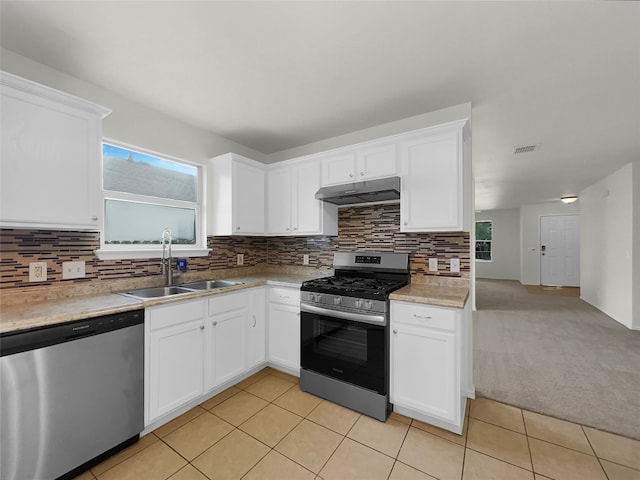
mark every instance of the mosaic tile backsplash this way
{"type": "Point", "coordinates": [369, 228]}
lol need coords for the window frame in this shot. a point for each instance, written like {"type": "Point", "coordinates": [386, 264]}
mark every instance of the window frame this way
{"type": "Point", "coordinates": [489, 241]}
{"type": "Point", "coordinates": [108, 251]}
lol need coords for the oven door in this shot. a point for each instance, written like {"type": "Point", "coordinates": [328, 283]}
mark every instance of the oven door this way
{"type": "Point", "coordinates": [349, 350]}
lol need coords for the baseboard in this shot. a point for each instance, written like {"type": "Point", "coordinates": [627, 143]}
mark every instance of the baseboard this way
{"type": "Point", "coordinates": [431, 420]}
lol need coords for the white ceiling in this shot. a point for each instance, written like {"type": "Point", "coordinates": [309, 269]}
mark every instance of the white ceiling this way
{"type": "Point", "coordinates": [274, 75]}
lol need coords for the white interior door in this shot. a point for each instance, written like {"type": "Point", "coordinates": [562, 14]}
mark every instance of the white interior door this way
{"type": "Point", "coordinates": [560, 250]}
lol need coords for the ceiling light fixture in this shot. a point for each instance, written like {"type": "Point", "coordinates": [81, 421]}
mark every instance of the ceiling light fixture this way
{"type": "Point", "coordinates": [569, 198]}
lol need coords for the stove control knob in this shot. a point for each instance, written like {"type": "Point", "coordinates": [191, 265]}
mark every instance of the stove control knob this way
{"type": "Point", "coordinates": [337, 300]}
{"type": "Point", "coordinates": [359, 303]}
{"type": "Point", "coordinates": [368, 305]}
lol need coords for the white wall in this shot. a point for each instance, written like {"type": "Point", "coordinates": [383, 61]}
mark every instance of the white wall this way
{"type": "Point", "coordinates": [424, 120]}
{"type": "Point", "coordinates": [607, 247]}
{"type": "Point", "coordinates": [505, 263]}
{"type": "Point", "coordinates": [530, 236]}
{"type": "Point", "coordinates": [130, 122]}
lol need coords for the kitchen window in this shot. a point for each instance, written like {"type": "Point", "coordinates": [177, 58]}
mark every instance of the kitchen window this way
{"type": "Point", "coordinates": [484, 237]}
{"type": "Point", "coordinates": [144, 193]}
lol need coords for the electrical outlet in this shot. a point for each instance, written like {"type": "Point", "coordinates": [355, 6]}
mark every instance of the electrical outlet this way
{"type": "Point", "coordinates": [433, 264]}
{"type": "Point", "coordinates": [241, 259]}
{"type": "Point", "coordinates": [38, 272]}
{"type": "Point", "coordinates": [72, 270]}
{"type": "Point", "coordinates": [454, 265]}
{"type": "Point", "coordinates": [305, 259]}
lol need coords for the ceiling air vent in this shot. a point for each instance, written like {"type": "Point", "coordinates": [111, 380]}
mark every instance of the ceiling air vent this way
{"type": "Point", "coordinates": [524, 149]}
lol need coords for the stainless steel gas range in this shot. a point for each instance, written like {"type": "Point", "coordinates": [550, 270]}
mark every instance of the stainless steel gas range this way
{"type": "Point", "coordinates": [344, 348]}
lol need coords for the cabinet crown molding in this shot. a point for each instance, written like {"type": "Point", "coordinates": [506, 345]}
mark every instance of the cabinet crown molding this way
{"type": "Point", "coordinates": [33, 88]}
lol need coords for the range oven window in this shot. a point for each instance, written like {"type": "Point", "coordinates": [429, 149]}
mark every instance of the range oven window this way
{"type": "Point", "coordinates": [347, 350]}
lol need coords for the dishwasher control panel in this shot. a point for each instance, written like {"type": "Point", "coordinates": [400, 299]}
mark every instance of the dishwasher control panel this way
{"type": "Point", "coordinates": [40, 337]}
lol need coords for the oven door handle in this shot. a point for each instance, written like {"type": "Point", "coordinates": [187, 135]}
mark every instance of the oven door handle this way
{"type": "Point", "coordinates": [356, 317]}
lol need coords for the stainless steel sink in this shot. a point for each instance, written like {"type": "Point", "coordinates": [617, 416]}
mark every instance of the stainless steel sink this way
{"type": "Point", "coordinates": [156, 292]}
{"type": "Point", "coordinates": [210, 284]}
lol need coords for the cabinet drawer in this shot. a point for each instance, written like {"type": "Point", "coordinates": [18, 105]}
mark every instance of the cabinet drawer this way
{"type": "Point", "coordinates": [175, 314]}
{"type": "Point", "coordinates": [422, 316]}
{"type": "Point", "coordinates": [228, 302]}
{"type": "Point", "coordinates": [286, 296]}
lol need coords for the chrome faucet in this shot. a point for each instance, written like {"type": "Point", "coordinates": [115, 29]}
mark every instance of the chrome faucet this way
{"type": "Point", "coordinates": [167, 260]}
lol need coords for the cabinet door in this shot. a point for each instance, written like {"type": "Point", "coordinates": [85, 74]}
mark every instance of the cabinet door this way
{"type": "Point", "coordinates": [279, 201]}
{"type": "Point", "coordinates": [339, 168]}
{"type": "Point", "coordinates": [431, 189]}
{"type": "Point", "coordinates": [377, 161]}
{"type": "Point", "coordinates": [227, 346]}
{"type": "Point", "coordinates": [284, 335]}
{"type": "Point", "coordinates": [50, 163]}
{"type": "Point", "coordinates": [307, 211]}
{"type": "Point", "coordinates": [175, 366]}
{"type": "Point", "coordinates": [248, 199]}
{"type": "Point", "coordinates": [423, 373]}
{"type": "Point", "coordinates": [257, 329]}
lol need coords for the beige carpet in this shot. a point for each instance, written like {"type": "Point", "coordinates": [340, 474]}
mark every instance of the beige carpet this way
{"type": "Point", "coordinates": [556, 355]}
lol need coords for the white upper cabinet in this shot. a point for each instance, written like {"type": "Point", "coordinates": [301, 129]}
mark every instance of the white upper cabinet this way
{"type": "Point", "coordinates": [374, 160]}
{"type": "Point", "coordinates": [432, 196]}
{"type": "Point", "coordinates": [51, 158]}
{"type": "Point", "coordinates": [279, 201]}
{"type": "Point", "coordinates": [292, 208]}
{"type": "Point", "coordinates": [236, 196]}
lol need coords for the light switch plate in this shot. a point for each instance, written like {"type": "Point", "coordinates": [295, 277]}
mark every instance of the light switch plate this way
{"type": "Point", "coordinates": [38, 272]}
{"type": "Point", "coordinates": [241, 259]}
{"type": "Point", "coordinates": [454, 265]}
{"type": "Point", "coordinates": [73, 270]}
{"type": "Point", "coordinates": [433, 264]}
{"type": "Point", "coordinates": [305, 259]}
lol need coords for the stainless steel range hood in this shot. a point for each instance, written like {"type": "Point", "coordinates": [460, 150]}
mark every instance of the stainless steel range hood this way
{"type": "Point", "coordinates": [369, 191]}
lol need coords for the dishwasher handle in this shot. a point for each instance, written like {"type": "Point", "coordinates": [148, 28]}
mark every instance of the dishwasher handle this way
{"type": "Point", "coordinates": [40, 337]}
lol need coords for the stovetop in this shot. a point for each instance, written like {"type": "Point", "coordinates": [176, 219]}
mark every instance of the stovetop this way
{"type": "Point", "coordinates": [353, 286]}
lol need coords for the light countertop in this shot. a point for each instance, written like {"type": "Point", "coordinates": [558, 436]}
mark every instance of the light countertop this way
{"type": "Point", "coordinates": [438, 295]}
{"type": "Point", "coordinates": [49, 312]}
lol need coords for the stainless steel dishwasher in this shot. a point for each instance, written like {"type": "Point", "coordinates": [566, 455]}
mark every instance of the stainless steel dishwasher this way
{"type": "Point", "coordinates": [70, 395]}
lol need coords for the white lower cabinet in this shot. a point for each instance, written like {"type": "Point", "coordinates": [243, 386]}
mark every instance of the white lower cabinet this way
{"type": "Point", "coordinates": [195, 347]}
{"type": "Point", "coordinates": [284, 328]}
{"type": "Point", "coordinates": [427, 363]}
{"type": "Point", "coordinates": [257, 328]}
{"type": "Point", "coordinates": [226, 355]}
{"type": "Point", "coordinates": [174, 356]}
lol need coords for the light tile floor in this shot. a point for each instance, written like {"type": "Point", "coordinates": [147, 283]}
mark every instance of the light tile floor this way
{"type": "Point", "coordinates": [267, 428]}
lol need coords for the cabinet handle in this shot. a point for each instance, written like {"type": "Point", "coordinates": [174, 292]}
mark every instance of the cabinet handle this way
{"type": "Point", "coordinates": [406, 223]}
{"type": "Point", "coordinates": [94, 217]}
{"type": "Point", "coordinates": [287, 229]}
{"type": "Point", "coordinates": [395, 331]}
{"type": "Point", "coordinates": [238, 228]}
{"type": "Point", "coordinates": [284, 296]}
{"type": "Point", "coordinates": [421, 317]}
{"type": "Point", "coordinates": [201, 327]}
{"type": "Point", "coordinates": [214, 323]}
{"type": "Point", "coordinates": [351, 175]}
{"type": "Point", "coordinates": [362, 174]}
{"type": "Point", "coordinates": [254, 321]}
{"type": "Point", "coordinates": [295, 228]}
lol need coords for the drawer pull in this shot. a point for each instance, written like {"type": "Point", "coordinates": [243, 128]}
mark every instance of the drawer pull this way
{"type": "Point", "coordinates": [201, 327]}
{"type": "Point", "coordinates": [254, 321]}
{"type": "Point", "coordinates": [422, 317]}
{"type": "Point", "coordinates": [284, 296]}
{"type": "Point", "coordinates": [214, 323]}
{"type": "Point", "coordinates": [395, 331]}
